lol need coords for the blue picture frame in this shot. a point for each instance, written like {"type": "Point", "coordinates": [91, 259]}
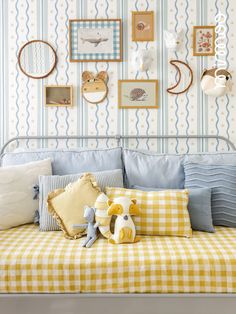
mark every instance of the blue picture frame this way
{"type": "Point", "coordinates": [95, 40]}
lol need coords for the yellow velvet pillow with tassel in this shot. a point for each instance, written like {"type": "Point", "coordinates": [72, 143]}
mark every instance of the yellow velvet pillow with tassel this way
{"type": "Point", "coordinates": [67, 205]}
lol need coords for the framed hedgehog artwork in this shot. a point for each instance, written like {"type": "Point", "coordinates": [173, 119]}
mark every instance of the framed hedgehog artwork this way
{"type": "Point", "coordinates": [138, 94]}
{"type": "Point", "coordinates": [204, 40]}
{"type": "Point", "coordinates": [95, 40]}
{"type": "Point", "coordinates": [142, 26]}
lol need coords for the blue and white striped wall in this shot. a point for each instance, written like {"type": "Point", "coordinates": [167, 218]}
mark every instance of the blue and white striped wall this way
{"type": "Point", "coordinates": [22, 110]}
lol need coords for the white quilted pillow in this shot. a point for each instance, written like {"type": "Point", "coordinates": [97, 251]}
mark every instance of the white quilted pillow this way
{"type": "Point", "coordinates": [17, 205]}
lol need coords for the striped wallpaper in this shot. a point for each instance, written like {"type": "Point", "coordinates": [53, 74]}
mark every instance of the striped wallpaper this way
{"type": "Point", "coordinates": [22, 110]}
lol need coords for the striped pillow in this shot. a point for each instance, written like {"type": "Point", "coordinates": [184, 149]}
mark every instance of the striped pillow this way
{"type": "Point", "coordinates": [51, 183]}
{"type": "Point", "coordinates": [222, 181]}
{"type": "Point", "coordinates": [162, 212]}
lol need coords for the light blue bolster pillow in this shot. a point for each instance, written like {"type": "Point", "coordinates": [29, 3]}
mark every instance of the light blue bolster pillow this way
{"type": "Point", "coordinates": [199, 208]}
{"type": "Point", "coordinates": [113, 178]}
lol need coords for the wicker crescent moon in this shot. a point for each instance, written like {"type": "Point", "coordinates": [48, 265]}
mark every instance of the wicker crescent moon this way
{"type": "Point", "coordinates": [171, 89]}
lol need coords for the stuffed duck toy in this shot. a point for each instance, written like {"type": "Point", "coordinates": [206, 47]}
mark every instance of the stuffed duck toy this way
{"type": "Point", "coordinates": [124, 231]}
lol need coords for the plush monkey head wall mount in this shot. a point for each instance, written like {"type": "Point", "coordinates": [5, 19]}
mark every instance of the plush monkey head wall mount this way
{"type": "Point", "coordinates": [94, 88]}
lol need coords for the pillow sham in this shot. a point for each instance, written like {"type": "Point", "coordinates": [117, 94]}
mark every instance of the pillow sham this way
{"type": "Point", "coordinates": [162, 212]}
{"type": "Point", "coordinates": [199, 208]}
{"type": "Point", "coordinates": [222, 181]}
{"type": "Point", "coordinates": [50, 183]}
{"type": "Point", "coordinates": [17, 203]}
{"type": "Point", "coordinates": [67, 205]}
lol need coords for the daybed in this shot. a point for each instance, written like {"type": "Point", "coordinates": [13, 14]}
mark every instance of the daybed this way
{"type": "Point", "coordinates": [44, 272]}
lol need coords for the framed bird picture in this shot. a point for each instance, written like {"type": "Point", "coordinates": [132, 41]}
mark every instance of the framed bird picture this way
{"type": "Point", "coordinates": [95, 40]}
{"type": "Point", "coordinates": [135, 94]}
{"type": "Point", "coordinates": [142, 26]}
{"type": "Point", "coordinates": [204, 40]}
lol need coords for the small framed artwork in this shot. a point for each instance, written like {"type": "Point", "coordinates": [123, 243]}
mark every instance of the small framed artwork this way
{"type": "Point", "coordinates": [143, 26]}
{"type": "Point", "coordinates": [204, 40]}
{"type": "Point", "coordinates": [58, 95]}
{"type": "Point", "coordinates": [138, 94]}
{"type": "Point", "coordinates": [95, 40]}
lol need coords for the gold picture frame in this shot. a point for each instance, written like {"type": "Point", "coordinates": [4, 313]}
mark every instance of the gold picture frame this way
{"type": "Point", "coordinates": [58, 95]}
{"type": "Point", "coordinates": [205, 45]}
{"type": "Point", "coordinates": [76, 25]}
{"type": "Point", "coordinates": [143, 26]}
{"type": "Point", "coordinates": [137, 94]}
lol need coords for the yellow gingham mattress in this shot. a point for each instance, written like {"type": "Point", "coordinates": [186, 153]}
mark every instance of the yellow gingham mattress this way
{"type": "Point", "coordinates": [33, 261]}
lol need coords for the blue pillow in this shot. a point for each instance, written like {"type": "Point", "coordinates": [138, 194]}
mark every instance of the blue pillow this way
{"type": "Point", "coordinates": [150, 169]}
{"type": "Point", "coordinates": [165, 171]}
{"type": "Point", "coordinates": [113, 178]}
{"type": "Point", "coordinates": [69, 161]}
{"type": "Point", "coordinates": [199, 208]}
{"type": "Point", "coordinates": [222, 181]}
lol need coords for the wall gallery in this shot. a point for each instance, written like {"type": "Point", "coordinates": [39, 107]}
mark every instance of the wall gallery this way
{"type": "Point", "coordinates": [117, 104]}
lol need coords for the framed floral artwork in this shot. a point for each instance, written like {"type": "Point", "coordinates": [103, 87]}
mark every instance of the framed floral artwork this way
{"type": "Point", "coordinates": [204, 40]}
{"type": "Point", "coordinates": [138, 94]}
{"type": "Point", "coordinates": [94, 40]}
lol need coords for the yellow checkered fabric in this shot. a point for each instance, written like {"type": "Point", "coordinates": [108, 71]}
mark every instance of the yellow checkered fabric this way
{"type": "Point", "coordinates": [41, 262]}
{"type": "Point", "coordinates": [162, 212]}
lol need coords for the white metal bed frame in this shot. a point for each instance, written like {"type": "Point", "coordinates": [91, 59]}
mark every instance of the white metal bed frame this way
{"type": "Point", "coordinates": [82, 303]}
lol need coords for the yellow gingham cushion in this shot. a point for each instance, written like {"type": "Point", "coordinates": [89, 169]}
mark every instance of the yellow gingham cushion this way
{"type": "Point", "coordinates": [162, 212]}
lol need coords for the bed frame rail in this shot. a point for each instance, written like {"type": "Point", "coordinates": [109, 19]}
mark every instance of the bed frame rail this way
{"type": "Point", "coordinates": [118, 303]}
{"type": "Point", "coordinates": [119, 138]}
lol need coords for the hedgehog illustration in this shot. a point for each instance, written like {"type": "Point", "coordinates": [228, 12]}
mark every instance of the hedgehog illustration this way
{"type": "Point", "coordinates": [137, 94]}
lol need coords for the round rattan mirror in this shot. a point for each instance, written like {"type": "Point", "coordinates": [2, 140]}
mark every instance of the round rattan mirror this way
{"type": "Point", "coordinates": [37, 59]}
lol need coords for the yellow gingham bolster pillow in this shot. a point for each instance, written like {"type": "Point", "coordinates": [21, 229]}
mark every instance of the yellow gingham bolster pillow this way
{"type": "Point", "coordinates": [162, 212]}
